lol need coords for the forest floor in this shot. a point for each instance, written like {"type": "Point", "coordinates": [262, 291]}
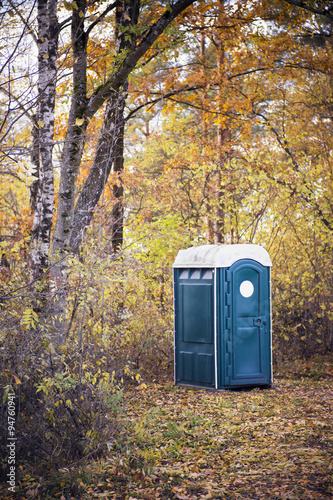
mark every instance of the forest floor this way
{"type": "Point", "coordinates": [187, 444]}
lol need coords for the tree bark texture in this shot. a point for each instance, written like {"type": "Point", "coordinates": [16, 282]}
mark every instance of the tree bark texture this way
{"type": "Point", "coordinates": [47, 74]}
{"type": "Point", "coordinates": [113, 125]}
{"type": "Point", "coordinates": [75, 137]}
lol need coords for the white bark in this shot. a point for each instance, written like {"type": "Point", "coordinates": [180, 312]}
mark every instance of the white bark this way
{"type": "Point", "coordinates": [47, 73]}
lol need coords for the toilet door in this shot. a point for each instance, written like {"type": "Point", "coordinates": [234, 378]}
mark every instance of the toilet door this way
{"type": "Point", "coordinates": [194, 327]}
{"type": "Point", "coordinates": [249, 343]}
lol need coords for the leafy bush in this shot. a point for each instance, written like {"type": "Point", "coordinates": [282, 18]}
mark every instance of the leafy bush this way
{"type": "Point", "coordinates": [69, 406]}
{"type": "Point", "coordinates": [302, 300]}
{"type": "Point", "coordinates": [67, 397]}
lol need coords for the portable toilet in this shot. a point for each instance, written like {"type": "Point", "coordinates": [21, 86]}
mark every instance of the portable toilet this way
{"type": "Point", "coordinates": [222, 303]}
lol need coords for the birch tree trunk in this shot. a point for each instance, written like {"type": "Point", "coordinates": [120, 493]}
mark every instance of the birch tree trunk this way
{"type": "Point", "coordinates": [47, 73]}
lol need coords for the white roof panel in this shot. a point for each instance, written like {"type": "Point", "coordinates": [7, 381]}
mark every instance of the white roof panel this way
{"type": "Point", "coordinates": [220, 255]}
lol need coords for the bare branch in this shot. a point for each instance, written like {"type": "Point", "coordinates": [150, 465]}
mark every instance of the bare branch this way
{"type": "Point", "coordinates": [24, 21]}
{"type": "Point", "coordinates": [8, 172]}
{"type": "Point", "coordinates": [16, 99]}
{"type": "Point", "coordinates": [19, 39]}
{"type": "Point", "coordinates": [326, 12]}
{"type": "Point", "coordinates": [115, 4]}
{"type": "Point", "coordinates": [310, 198]}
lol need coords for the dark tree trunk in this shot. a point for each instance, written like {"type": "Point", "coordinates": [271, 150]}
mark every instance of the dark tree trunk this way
{"type": "Point", "coordinates": [75, 137]}
{"type": "Point", "coordinates": [117, 220]}
{"type": "Point", "coordinates": [71, 225]}
{"type": "Point", "coordinates": [112, 130]}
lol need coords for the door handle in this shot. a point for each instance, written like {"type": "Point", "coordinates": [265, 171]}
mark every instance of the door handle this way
{"type": "Point", "coordinates": [261, 320]}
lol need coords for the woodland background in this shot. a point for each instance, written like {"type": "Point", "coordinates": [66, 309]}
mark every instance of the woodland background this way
{"type": "Point", "coordinates": [130, 130]}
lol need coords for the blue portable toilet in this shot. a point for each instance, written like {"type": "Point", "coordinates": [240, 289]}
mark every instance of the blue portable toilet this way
{"type": "Point", "coordinates": [222, 304]}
